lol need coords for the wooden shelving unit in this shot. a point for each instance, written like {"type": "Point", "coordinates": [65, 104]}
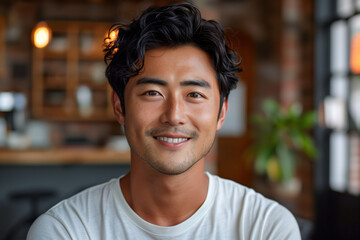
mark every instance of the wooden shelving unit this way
{"type": "Point", "coordinates": [63, 156]}
{"type": "Point", "coordinates": [73, 59]}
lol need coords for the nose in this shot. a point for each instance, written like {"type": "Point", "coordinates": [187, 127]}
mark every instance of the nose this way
{"type": "Point", "coordinates": [174, 111]}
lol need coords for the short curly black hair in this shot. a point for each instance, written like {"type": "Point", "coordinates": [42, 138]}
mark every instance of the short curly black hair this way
{"type": "Point", "coordinates": [168, 26]}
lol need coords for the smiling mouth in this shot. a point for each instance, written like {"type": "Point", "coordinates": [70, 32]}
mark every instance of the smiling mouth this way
{"type": "Point", "coordinates": [172, 140]}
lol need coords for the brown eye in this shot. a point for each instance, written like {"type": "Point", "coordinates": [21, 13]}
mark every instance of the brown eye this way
{"type": "Point", "coordinates": [152, 93]}
{"type": "Point", "coordinates": [195, 95]}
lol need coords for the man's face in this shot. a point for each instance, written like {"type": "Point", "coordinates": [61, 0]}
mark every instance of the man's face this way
{"type": "Point", "coordinates": [172, 109]}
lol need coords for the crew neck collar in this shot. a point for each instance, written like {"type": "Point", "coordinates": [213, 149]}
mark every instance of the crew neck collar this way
{"type": "Point", "coordinates": [125, 209]}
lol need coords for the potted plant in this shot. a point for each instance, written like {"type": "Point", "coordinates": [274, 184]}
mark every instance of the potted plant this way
{"type": "Point", "coordinates": [282, 139]}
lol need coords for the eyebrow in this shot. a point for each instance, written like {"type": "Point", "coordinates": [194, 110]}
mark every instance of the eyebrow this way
{"type": "Point", "coordinates": [151, 81]}
{"type": "Point", "coordinates": [191, 82]}
{"type": "Point", "coordinates": [195, 82]}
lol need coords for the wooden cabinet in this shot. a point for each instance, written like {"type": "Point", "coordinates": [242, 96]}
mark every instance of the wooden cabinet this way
{"type": "Point", "coordinates": [69, 80]}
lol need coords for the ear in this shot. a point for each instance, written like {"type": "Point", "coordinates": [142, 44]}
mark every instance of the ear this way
{"type": "Point", "coordinates": [116, 103]}
{"type": "Point", "coordinates": [222, 115]}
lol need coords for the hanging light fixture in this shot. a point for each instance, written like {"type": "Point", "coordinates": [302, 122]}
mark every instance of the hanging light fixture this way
{"type": "Point", "coordinates": [41, 35]}
{"type": "Point", "coordinates": [110, 39]}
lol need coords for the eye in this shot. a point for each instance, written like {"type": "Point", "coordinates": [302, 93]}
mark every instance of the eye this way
{"type": "Point", "coordinates": [195, 95]}
{"type": "Point", "coordinates": [151, 93]}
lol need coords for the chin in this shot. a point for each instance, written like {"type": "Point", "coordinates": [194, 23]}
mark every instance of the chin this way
{"type": "Point", "coordinates": [171, 170]}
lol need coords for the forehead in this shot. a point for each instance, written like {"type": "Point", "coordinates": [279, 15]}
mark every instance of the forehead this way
{"type": "Point", "coordinates": [178, 64]}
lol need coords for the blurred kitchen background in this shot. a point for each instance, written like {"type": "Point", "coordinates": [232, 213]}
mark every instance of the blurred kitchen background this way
{"type": "Point", "coordinates": [292, 132]}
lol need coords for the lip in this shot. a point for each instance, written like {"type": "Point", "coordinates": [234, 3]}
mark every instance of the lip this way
{"type": "Point", "coordinates": [172, 141]}
{"type": "Point", "coordinates": [171, 135]}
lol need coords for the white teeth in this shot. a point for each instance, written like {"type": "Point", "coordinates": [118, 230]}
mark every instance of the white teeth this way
{"type": "Point", "coordinates": [172, 140]}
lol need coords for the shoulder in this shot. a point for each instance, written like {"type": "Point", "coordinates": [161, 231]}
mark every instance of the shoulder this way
{"type": "Point", "coordinates": [234, 193]}
{"type": "Point", "coordinates": [254, 213]}
{"type": "Point", "coordinates": [73, 216]}
{"type": "Point", "coordinates": [242, 198]}
{"type": "Point", "coordinates": [47, 227]}
{"type": "Point", "coordinates": [91, 198]}
{"type": "Point", "coordinates": [229, 190]}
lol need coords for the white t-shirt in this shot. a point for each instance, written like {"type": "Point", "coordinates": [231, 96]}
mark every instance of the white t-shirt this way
{"type": "Point", "coordinates": [230, 211]}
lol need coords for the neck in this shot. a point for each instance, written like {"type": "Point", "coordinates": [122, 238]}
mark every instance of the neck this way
{"type": "Point", "coordinates": [165, 200]}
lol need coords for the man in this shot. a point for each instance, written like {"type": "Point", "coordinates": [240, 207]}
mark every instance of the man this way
{"type": "Point", "coordinates": [171, 72]}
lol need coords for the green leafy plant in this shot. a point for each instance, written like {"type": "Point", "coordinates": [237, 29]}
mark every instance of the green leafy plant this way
{"type": "Point", "coordinates": [282, 136]}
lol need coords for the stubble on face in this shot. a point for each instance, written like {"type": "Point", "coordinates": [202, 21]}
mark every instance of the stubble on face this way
{"type": "Point", "coordinates": [172, 165]}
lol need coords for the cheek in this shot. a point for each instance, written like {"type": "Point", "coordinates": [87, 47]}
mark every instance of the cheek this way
{"type": "Point", "coordinates": [205, 115]}
{"type": "Point", "coordinates": [139, 115]}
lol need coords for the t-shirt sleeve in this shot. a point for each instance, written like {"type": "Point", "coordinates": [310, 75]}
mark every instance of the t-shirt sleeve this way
{"type": "Point", "coordinates": [47, 227]}
{"type": "Point", "coordinates": [281, 225]}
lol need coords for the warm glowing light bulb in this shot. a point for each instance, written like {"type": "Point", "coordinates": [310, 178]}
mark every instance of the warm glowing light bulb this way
{"type": "Point", "coordinates": [110, 39]}
{"type": "Point", "coordinates": [113, 35]}
{"type": "Point", "coordinates": [41, 35]}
